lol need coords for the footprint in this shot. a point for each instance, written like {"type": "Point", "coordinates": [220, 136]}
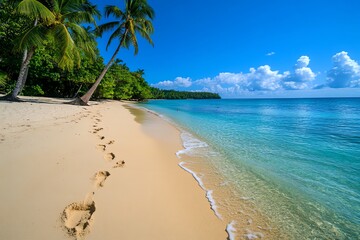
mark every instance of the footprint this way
{"type": "Point", "coordinates": [101, 137]}
{"type": "Point", "coordinates": [101, 147]}
{"type": "Point", "coordinates": [111, 142]}
{"type": "Point", "coordinates": [100, 178]}
{"type": "Point", "coordinates": [97, 130]}
{"type": "Point", "coordinates": [109, 156]}
{"type": "Point", "coordinates": [97, 119]}
{"type": "Point", "coordinates": [119, 164]}
{"type": "Point", "coordinates": [77, 218]}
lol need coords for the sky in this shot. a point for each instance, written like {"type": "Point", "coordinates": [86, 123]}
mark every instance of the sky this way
{"type": "Point", "coordinates": [250, 48]}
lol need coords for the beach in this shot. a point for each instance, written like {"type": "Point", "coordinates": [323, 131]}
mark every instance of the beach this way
{"type": "Point", "coordinates": [106, 171]}
{"type": "Point", "coordinates": [275, 168]}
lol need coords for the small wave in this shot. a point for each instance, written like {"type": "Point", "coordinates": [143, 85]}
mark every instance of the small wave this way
{"type": "Point", "coordinates": [190, 143]}
{"type": "Point", "coordinates": [253, 235]}
{"type": "Point", "coordinates": [212, 203]}
{"type": "Point", "coordinates": [230, 229]}
{"type": "Point", "coordinates": [209, 196]}
{"type": "Point", "coordinates": [198, 179]}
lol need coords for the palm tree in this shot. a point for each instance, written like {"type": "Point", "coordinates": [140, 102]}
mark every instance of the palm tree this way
{"type": "Point", "coordinates": [59, 23]}
{"type": "Point", "coordinates": [30, 39]}
{"type": "Point", "coordinates": [135, 18]}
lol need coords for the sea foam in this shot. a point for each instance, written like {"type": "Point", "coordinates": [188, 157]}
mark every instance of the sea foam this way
{"type": "Point", "coordinates": [230, 229]}
{"type": "Point", "coordinates": [190, 143]}
{"type": "Point", "coordinates": [208, 192]}
{"type": "Point", "coordinates": [197, 178]}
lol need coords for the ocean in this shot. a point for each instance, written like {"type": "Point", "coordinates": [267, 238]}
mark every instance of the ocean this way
{"type": "Point", "coordinates": [274, 168]}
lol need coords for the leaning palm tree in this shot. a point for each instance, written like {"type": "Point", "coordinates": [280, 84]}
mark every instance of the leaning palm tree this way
{"type": "Point", "coordinates": [30, 39]}
{"type": "Point", "coordinates": [135, 18]}
{"type": "Point", "coordinates": [59, 22]}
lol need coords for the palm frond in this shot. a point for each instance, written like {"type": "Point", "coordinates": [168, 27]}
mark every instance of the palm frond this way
{"type": "Point", "coordinates": [145, 34]}
{"type": "Point", "coordinates": [84, 41]}
{"type": "Point", "coordinates": [33, 37]}
{"type": "Point", "coordinates": [35, 9]}
{"type": "Point", "coordinates": [80, 12]}
{"type": "Point", "coordinates": [92, 9]}
{"type": "Point", "coordinates": [66, 45]}
{"type": "Point", "coordinates": [115, 34]}
{"type": "Point", "coordinates": [114, 11]}
{"type": "Point", "coordinates": [132, 35]}
{"type": "Point", "coordinates": [107, 27]}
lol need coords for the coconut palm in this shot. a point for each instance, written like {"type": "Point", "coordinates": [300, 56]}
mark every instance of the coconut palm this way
{"type": "Point", "coordinates": [135, 18]}
{"type": "Point", "coordinates": [60, 24]}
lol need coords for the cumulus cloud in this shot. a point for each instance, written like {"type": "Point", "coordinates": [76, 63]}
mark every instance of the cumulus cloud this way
{"type": "Point", "coordinates": [344, 73]}
{"type": "Point", "coordinates": [302, 62]}
{"type": "Point", "coordinates": [270, 54]}
{"type": "Point", "coordinates": [263, 78]}
{"type": "Point", "coordinates": [179, 82]}
{"type": "Point", "coordinates": [260, 79]}
{"type": "Point", "coordinates": [301, 76]}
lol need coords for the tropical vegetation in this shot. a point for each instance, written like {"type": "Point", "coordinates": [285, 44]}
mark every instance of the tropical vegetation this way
{"type": "Point", "coordinates": [172, 94]}
{"type": "Point", "coordinates": [135, 18]}
{"type": "Point", "coordinates": [59, 22]}
{"type": "Point", "coordinates": [58, 55]}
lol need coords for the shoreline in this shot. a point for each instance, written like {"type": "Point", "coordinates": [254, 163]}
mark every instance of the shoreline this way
{"type": "Point", "coordinates": [230, 152]}
{"type": "Point", "coordinates": [243, 218]}
{"type": "Point", "coordinates": [95, 172]}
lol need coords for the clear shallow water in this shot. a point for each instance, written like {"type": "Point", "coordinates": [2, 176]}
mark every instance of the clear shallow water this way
{"type": "Point", "coordinates": [298, 160]}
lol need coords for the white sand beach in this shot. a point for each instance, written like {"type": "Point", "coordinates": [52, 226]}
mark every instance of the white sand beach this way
{"type": "Point", "coordinates": [97, 172]}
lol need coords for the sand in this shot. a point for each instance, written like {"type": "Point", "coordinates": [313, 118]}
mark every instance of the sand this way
{"type": "Point", "coordinates": [105, 171]}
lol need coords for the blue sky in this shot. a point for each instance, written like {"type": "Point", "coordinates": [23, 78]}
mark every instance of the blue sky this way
{"type": "Point", "coordinates": [251, 48]}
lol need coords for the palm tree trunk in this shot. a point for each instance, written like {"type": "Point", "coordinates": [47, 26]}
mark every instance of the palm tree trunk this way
{"type": "Point", "coordinates": [24, 69]}
{"type": "Point", "coordinates": [9, 96]}
{"type": "Point", "coordinates": [24, 79]}
{"type": "Point", "coordinates": [22, 75]}
{"type": "Point", "coordinates": [86, 97]}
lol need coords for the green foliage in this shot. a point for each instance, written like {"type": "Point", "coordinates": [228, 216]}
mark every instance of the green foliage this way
{"type": "Point", "coordinates": [3, 81]}
{"type": "Point", "coordinates": [60, 22]}
{"type": "Point", "coordinates": [135, 18]}
{"type": "Point", "coordinates": [47, 78]}
{"type": "Point", "coordinates": [11, 26]}
{"type": "Point", "coordinates": [172, 94]}
{"type": "Point", "coordinates": [34, 90]}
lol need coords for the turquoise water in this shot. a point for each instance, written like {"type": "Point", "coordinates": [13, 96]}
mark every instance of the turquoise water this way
{"type": "Point", "coordinates": [298, 159]}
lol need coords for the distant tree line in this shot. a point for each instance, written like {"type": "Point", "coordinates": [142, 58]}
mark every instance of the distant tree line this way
{"type": "Point", "coordinates": [172, 94]}
{"type": "Point", "coordinates": [45, 75]}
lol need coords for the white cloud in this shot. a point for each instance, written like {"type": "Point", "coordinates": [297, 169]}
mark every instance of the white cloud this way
{"type": "Point", "coordinates": [270, 54]}
{"type": "Point", "coordinates": [301, 77]}
{"type": "Point", "coordinates": [302, 62]}
{"type": "Point", "coordinates": [294, 85]}
{"type": "Point", "coordinates": [222, 78]}
{"type": "Point", "coordinates": [261, 79]}
{"type": "Point", "coordinates": [304, 74]}
{"type": "Point", "coordinates": [344, 73]}
{"type": "Point", "coordinates": [230, 78]}
{"type": "Point", "coordinates": [177, 83]}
